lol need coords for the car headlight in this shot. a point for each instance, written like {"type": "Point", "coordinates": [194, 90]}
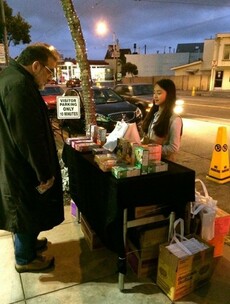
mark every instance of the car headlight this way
{"type": "Point", "coordinates": [179, 107]}
{"type": "Point", "coordinates": [150, 105]}
{"type": "Point", "coordinates": [138, 113]}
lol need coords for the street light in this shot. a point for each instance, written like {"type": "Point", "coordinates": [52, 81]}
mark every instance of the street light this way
{"type": "Point", "coordinates": [102, 29]}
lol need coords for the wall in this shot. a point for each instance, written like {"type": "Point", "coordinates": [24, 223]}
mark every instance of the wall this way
{"type": "Point", "coordinates": [157, 64]}
{"type": "Point", "coordinates": [184, 70]}
{"type": "Point", "coordinates": [226, 80]}
{"type": "Point", "coordinates": [209, 45]}
{"type": "Point", "coordinates": [184, 82]}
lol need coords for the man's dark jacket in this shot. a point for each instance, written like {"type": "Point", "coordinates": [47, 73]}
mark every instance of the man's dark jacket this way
{"type": "Point", "coordinates": [27, 156]}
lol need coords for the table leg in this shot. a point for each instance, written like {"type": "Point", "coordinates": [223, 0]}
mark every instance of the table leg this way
{"type": "Point", "coordinates": [125, 226]}
{"type": "Point", "coordinates": [122, 261]}
{"type": "Point", "coordinates": [121, 284]}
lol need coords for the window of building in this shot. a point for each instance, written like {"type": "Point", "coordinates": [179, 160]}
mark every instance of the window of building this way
{"type": "Point", "coordinates": [227, 52]}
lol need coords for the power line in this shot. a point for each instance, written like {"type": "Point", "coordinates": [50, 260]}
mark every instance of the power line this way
{"type": "Point", "coordinates": [199, 3]}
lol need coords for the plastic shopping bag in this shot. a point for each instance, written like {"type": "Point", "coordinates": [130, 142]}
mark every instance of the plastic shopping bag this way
{"type": "Point", "coordinates": [181, 246]}
{"type": "Point", "coordinates": [118, 132]}
{"type": "Point", "coordinates": [205, 207]}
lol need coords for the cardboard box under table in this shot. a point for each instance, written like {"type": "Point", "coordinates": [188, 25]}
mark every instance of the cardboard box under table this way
{"type": "Point", "coordinates": [147, 239]}
{"type": "Point", "coordinates": [91, 238]}
{"type": "Point", "coordinates": [178, 277]}
{"type": "Point", "coordinates": [143, 247]}
{"type": "Point", "coordinates": [137, 261]}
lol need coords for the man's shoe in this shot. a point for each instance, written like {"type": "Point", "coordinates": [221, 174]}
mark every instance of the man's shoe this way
{"type": "Point", "coordinates": [40, 263]}
{"type": "Point", "coordinates": [41, 243]}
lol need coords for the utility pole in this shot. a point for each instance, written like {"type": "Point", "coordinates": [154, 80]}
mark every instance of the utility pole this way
{"type": "Point", "coordinates": [5, 41]}
{"type": "Point", "coordinates": [116, 55]}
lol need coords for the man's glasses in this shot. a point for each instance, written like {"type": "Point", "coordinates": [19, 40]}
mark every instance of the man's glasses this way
{"type": "Point", "coordinates": [51, 71]}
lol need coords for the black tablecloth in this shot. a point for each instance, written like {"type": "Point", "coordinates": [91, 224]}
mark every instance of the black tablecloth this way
{"type": "Point", "coordinates": [102, 198]}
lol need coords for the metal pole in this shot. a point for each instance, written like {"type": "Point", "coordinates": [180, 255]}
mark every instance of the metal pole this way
{"type": "Point", "coordinates": [4, 33]}
{"type": "Point", "coordinates": [114, 60]}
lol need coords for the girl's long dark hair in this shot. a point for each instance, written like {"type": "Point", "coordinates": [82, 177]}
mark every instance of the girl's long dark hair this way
{"type": "Point", "coordinates": [161, 127]}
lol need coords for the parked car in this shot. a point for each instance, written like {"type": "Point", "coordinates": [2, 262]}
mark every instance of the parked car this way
{"type": "Point", "coordinates": [52, 81]}
{"type": "Point", "coordinates": [110, 108]}
{"type": "Point", "coordinates": [141, 94]}
{"type": "Point", "coordinates": [73, 82]}
{"type": "Point", "coordinates": [49, 94]}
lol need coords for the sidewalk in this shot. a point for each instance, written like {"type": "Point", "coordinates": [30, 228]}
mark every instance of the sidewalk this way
{"type": "Point", "coordinates": [82, 276]}
{"type": "Point", "coordinates": [215, 93]}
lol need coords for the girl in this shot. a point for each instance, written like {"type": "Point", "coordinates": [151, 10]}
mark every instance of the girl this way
{"type": "Point", "coordinates": [162, 126]}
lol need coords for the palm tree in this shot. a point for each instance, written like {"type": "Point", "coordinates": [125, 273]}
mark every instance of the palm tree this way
{"type": "Point", "coordinates": [81, 57]}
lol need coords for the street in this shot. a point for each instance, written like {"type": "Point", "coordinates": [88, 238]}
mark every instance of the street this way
{"type": "Point", "coordinates": [199, 136]}
{"type": "Point", "coordinates": [197, 145]}
{"type": "Point", "coordinates": [206, 108]}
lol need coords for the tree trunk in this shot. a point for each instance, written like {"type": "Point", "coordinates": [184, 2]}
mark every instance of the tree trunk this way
{"type": "Point", "coordinates": [81, 57]}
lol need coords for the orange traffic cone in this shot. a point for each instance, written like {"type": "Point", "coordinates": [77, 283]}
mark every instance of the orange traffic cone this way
{"type": "Point", "coordinates": [219, 169]}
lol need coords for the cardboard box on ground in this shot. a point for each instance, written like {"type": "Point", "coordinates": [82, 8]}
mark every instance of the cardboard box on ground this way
{"type": "Point", "coordinates": [178, 277]}
{"type": "Point", "coordinates": [222, 226]}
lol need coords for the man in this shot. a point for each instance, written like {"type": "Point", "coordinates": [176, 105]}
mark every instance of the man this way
{"type": "Point", "coordinates": [31, 198]}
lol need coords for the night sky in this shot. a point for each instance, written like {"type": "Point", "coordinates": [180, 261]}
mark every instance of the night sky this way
{"type": "Point", "coordinates": [154, 26]}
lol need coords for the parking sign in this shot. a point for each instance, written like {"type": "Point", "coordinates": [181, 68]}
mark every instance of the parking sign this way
{"type": "Point", "coordinates": [68, 107]}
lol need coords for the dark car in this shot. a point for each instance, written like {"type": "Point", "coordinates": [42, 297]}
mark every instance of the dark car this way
{"type": "Point", "coordinates": [110, 108]}
{"type": "Point", "coordinates": [49, 95]}
{"type": "Point", "coordinates": [73, 82]}
{"type": "Point", "coordinates": [140, 94]}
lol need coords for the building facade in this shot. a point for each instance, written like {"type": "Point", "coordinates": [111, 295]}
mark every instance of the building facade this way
{"type": "Point", "coordinates": [220, 68]}
{"type": "Point", "coordinates": [208, 63]}
{"type": "Point", "coordinates": [157, 64]}
{"type": "Point", "coordinates": [100, 71]}
{"type": "Point", "coordinates": [213, 63]}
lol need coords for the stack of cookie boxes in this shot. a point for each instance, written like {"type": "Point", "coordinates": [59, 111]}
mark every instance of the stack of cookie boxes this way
{"type": "Point", "coordinates": [138, 159]}
{"type": "Point", "coordinates": [148, 159]}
